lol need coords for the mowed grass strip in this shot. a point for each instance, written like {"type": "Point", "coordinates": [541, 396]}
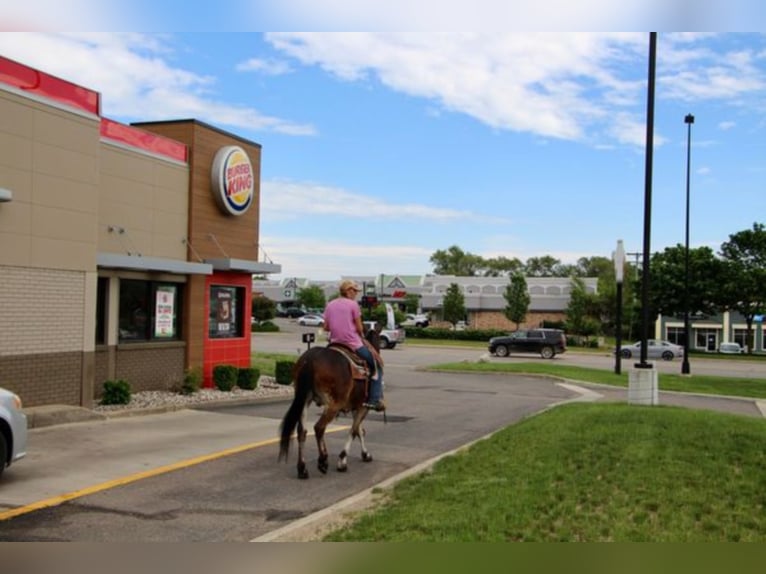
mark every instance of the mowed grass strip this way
{"type": "Point", "coordinates": [588, 472]}
{"type": "Point", "coordinates": [706, 384]}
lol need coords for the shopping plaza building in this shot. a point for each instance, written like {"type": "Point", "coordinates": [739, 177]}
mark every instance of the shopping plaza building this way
{"type": "Point", "coordinates": [126, 251]}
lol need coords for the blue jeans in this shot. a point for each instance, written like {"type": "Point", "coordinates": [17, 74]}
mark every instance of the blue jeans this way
{"type": "Point", "coordinates": [376, 384]}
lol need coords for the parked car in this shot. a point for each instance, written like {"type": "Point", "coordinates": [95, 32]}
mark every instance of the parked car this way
{"type": "Point", "coordinates": [731, 348]}
{"type": "Point", "coordinates": [13, 429]}
{"type": "Point", "coordinates": [547, 342]}
{"type": "Point", "coordinates": [416, 320]}
{"type": "Point", "coordinates": [655, 349]}
{"type": "Point", "coordinates": [294, 312]}
{"type": "Point", "coordinates": [311, 320]}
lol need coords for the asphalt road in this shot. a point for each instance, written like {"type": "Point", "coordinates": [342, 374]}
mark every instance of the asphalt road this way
{"type": "Point", "coordinates": [213, 475]}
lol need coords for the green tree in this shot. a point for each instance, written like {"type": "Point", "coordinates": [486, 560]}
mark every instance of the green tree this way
{"type": "Point", "coordinates": [312, 296]}
{"type": "Point", "coordinates": [453, 304]}
{"type": "Point", "coordinates": [583, 310]}
{"type": "Point", "coordinates": [263, 308]}
{"type": "Point", "coordinates": [501, 266]}
{"type": "Point", "coordinates": [667, 284]}
{"type": "Point", "coordinates": [544, 266]}
{"type": "Point", "coordinates": [517, 299]}
{"type": "Point", "coordinates": [411, 302]}
{"type": "Point", "coordinates": [745, 275]}
{"type": "Point", "coordinates": [455, 261]}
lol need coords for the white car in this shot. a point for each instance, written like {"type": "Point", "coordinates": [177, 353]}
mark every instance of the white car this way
{"type": "Point", "coordinates": [414, 320]}
{"type": "Point", "coordinates": [731, 348]}
{"type": "Point", "coordinates": [311, 320]}
{"type": "Point", "coordinates": [13, 429]}
{"type": "Point", "coordinates": [655, 349]}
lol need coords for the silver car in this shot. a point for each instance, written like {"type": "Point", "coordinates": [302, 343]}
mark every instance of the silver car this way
{"type": "Point", "coordinates": [13, 429]}
{"type": "Point", "coordinates": [655, 349]}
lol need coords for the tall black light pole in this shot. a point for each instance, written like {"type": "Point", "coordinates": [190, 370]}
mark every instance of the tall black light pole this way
{"type": "Point", "coordinates": [643, 364]}
{"type": "Point", "coordinates": [619, 269]}
{"type": "Point", "coordinates": [685, 368]}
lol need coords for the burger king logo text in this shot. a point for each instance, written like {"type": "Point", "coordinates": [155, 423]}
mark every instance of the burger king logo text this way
{"type": "Point", "coordinates": [233, 180]}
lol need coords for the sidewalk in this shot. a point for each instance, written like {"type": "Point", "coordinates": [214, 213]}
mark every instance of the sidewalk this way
{"type": "Point", "coordinates": [119, 448]}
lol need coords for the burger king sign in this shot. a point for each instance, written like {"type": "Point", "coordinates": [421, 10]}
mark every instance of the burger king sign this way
{"type": "Point", "coordinates": [233, 180]}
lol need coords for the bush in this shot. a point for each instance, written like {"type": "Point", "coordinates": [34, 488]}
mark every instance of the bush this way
{"type": "Point", "coordinates": [116, 393]}
{"type": "Point", "coordinates": [247, 378]}
{"type": "Point", "coordinates": [192, 381]}
{"type": "Point", "coordinates": [283, 372]}
{"type": "Point", "coordinates": [225, 377]}
{"type": "Point", "coordinates": [265, 327]}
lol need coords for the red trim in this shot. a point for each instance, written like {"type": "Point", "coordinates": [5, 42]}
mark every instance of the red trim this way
{"type": "Point", "coordinates": [237, 351]}
{"type": "Point", "coordinates": [144, 140]}
{"type": "Point", "coordinates": [47, 86]}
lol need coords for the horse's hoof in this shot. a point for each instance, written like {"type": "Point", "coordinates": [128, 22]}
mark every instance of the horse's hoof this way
{"type": "Point", "coordinates": [303, 475]}
{"type": "Point", "coordinates": [323, 466]}
{"type": "Point", "coordinates": [342, 467]}
{"type": "Point", "coordinates": [366, 457]}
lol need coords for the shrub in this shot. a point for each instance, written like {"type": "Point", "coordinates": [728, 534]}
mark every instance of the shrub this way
{"type": "Point", "coordinates": [225, 377]}
{"type": "Point", "coordinates": [265, 327]}
{"type": "Point", "coordinates": [247, 378]}
{"type": "Point", "coordinates": [283, 372]}
{"type": "Point", "coordinates": [116, 393]}
{"type": "Point", "coordinates": [192, 381]}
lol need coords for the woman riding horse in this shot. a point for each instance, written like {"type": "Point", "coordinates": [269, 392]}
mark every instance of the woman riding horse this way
{"type": "Point", "coordinates": [329, 377]}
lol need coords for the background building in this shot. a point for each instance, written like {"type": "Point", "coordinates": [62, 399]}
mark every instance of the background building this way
{"type": "Point", "coordinates": [484, 300]}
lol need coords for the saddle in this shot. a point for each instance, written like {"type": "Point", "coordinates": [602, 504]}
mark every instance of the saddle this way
{"type": "Point", "coordinates": [359, 368]}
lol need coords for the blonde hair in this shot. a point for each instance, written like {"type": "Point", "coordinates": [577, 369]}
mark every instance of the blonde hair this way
{"type": "Point", "coordinates": [346, 285]}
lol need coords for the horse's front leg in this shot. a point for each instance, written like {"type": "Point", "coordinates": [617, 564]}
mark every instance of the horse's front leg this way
{"type": "Point", "coordinates": [356, 432]}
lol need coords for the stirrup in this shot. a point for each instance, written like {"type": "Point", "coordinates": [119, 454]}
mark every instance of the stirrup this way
{"type": "Point", "coordinates": [377, 407]}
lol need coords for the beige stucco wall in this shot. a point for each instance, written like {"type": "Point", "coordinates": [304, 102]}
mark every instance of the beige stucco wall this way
{"type": "Point", "coordinates": [144, 204]}
{"type": "Point", "coordinates": [49, 160]}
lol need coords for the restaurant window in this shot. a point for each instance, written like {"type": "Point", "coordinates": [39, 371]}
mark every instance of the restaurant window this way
{"type": "Point", "coordinates": [227, 306]}
{"type": "Point", "coordinates": [102, 293]}
{"type": "Point", "coordinates": [149, 310]}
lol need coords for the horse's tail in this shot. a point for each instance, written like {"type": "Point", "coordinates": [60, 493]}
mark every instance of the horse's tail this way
{"type": "Point", "coordinates": [303, 375]}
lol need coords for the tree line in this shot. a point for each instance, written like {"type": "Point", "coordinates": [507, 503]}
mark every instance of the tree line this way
{"type": "Point", "coordinates": [733, 279]}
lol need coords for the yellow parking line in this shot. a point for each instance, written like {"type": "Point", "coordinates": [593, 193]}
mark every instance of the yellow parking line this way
{"type": "Point", "coordinates": [56, 500]}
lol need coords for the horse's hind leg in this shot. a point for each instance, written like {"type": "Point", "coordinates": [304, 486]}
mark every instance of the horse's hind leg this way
{"type": "Point", "coordinates": [319, 430]}
{"type": "Point", "coordinates": [301, 432]}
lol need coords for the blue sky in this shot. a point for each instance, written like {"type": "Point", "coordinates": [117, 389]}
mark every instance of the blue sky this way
{"type": "Point", "coordinates": [381, 147]}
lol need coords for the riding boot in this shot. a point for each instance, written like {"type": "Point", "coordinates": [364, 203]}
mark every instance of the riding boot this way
{"type": "Point", "coordinates": [375, 399]}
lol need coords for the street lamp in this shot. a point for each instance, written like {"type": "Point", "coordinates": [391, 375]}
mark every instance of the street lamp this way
{"type": "Point", "coordinates": [619, 268]}
{"type": "Point", "coordinates": [685, 369]}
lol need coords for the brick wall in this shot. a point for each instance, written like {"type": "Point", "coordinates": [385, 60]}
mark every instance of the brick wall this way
{"type": "Point", "coordinates": [41, 333]}
{"type": "Point", "coordinates": [497, 320]}
{"type": "Point", "coordinates": [154, 367]}
{"type": "Point", "coordinates": [50, 378]}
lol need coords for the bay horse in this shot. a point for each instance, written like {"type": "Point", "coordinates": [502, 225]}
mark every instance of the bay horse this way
{"type": "Point", "coordinates": [329, 378]}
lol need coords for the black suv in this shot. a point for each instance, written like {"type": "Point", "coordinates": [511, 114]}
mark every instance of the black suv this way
{"type": "Point", "coordinates": [547, 342]}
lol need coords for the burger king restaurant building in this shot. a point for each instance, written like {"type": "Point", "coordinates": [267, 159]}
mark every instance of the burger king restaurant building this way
{"type": "Point", "coordinates": [126, 251]}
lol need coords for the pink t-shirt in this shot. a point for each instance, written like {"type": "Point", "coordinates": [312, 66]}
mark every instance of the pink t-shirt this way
{"type": "Point", "coordinates": [340, 320]}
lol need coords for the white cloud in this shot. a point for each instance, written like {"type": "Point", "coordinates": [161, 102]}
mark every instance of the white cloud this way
{"type": "Point", "coordinates": [279, 198]}
{"type": "Point", "coordinates": [268, 67]}
{"type": "Point", "coordinates": [725, 126]}
{"type": "Point", "coordinates": [134, 72]}
{"type": "Point", "coordinates": [320, 259]}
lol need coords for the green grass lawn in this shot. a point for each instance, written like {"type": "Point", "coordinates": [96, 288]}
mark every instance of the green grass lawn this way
{"type": "Point", "coordinates": [730, 386]}
{"type": "Point", "coordinates": [266, 362]}
{"type": "Point", "coordinates": [588, 472]}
